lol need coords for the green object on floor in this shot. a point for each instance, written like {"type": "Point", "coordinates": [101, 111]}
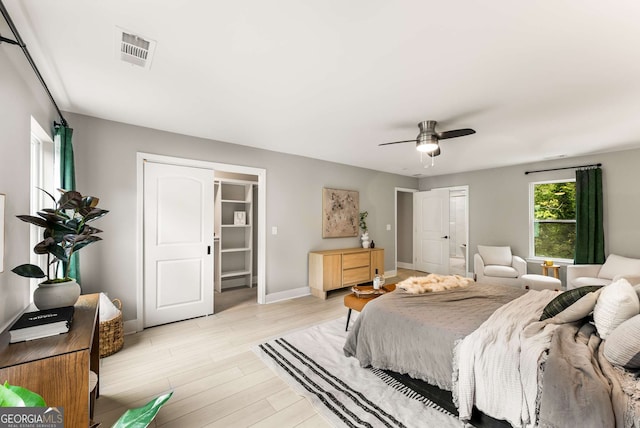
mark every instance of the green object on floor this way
{"type": "Point", "coordinates": [142, 416]}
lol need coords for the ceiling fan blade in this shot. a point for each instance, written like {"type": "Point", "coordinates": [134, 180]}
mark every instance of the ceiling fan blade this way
{"type": "Point", "coordinates": [398, 142]}
{"type": "Point", "coordinates": [455, 133]}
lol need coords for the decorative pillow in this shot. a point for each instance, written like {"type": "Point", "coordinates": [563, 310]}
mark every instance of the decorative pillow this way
{"type": "Point", "coordinates": [579, 310]}
{"type": "Point", "coordinates": [563, 300]}
{"type": "Point", "coordinates": [617, 303]}
{"type": "Point", "coordinates": [495, 255]}
{"type": "Point", "coordinates": [618, 265]}
{"type": "Point", "coordinates": [622, 347]}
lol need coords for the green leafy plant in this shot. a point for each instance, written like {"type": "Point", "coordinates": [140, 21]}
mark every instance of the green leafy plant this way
{"type": "Point", "coordinates": [140, 417]}
{"type": "Point", "coordinates": [17, 396]}
{"type": "Point", "coordinates": [65, 232]}
{"type": "Point", "coordinates": [363, 221]}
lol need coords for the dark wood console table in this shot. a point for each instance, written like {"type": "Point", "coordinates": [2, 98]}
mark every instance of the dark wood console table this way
{"type": "Point", "coordinates": [57, 367]}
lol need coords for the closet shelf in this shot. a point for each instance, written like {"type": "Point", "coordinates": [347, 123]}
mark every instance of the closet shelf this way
{"type": "Point", "coordinates": [234, 273]}
{"type": "Point", "coordinates": [234, 250]}
{"type": "Point", "coordinates": [233, 253]}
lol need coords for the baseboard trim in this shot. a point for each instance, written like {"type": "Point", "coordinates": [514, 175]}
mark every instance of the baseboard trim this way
{"type": "Point", "coordinates": [130, 326]}
{"type": "Point", "coordinates": [404, 265]}
{"type": "Point", "coordinates": [390, 273]}
{"type": "Point", "coordinates": [287, 294]}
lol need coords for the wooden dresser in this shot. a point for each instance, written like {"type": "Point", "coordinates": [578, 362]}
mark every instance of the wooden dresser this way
{"type": "Point", "coordinates": [333, 269]}
{"type": "Point", "coordinates": [57, 367]}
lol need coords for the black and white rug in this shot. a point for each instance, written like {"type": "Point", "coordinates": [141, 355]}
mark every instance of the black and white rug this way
{"type": "Point", "coordinates": [313, 363]}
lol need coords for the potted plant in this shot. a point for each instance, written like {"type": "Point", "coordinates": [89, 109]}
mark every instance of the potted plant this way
{"type": "Point", "coordinates": [365, 231]}
{"type": "Point", "coordinates": [65, 232]}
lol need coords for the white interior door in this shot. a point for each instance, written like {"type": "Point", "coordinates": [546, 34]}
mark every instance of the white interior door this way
{"type": "Point", "coordinates": [178, 243]}
{"type": "Point", "coordinates": [431, 235]}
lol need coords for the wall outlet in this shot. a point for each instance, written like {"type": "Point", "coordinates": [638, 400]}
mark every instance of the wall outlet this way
{"type": "Point", "coordinates": [388, 227]}
{"type": "Point", "coordinates": [274, 230]}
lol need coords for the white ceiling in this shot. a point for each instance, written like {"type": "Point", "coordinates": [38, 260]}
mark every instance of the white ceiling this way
{"type": "Point", "coordinates": [332, 79]}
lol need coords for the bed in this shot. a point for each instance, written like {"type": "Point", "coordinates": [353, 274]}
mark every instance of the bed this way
{"type": "Point", "coordinates": [486, 345]}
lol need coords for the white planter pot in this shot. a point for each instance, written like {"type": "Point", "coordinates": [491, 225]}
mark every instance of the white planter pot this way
{"type": "Point", "coordinates": [48, 296]}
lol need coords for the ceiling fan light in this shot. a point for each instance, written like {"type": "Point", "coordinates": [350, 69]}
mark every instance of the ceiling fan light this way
{"type": "Point", "coordinates": [427, 147]}
{"type": "Point", "coordinates": [426, 142]}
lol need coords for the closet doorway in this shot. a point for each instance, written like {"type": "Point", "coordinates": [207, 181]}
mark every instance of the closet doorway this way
{"type": "Point", "coordinates": [235, 239]}
{"type": "Point", "coordinates": [251, 251]}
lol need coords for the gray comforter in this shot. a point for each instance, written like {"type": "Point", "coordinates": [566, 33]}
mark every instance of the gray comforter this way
{"type": "Point", "coordinates": [419, 330]}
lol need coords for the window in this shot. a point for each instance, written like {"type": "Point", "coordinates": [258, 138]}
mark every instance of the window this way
{"type": "Point", "coordinates": [42, 176]}
{"type": "Point", "coordinates": [553, 219]}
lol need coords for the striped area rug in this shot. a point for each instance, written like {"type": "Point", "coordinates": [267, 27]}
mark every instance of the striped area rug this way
{"type": "Point", "coordinates": [347, 395]}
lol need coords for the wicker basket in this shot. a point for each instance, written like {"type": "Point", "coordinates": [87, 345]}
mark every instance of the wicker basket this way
{"type": "Point", "coordinates": [112, 333]}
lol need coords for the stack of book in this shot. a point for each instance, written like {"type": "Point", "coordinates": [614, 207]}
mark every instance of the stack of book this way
{"type": "Point", "coordinates": [38, 324]}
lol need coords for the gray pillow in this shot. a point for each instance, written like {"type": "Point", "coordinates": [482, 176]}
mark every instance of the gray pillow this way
{"type": "Point", "coordinates": [622, 347]}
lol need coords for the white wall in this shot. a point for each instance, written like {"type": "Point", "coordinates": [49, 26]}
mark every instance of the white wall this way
{"type": "Point", "coordinates": [499, 201]}
{"type": "Point", "coordinates": [22, 96]}
{"type": "Point", "coordinates": [105, 155]}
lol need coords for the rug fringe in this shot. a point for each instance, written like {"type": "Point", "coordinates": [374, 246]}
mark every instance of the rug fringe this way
{"type": "Point", "coordinates": [404, 389]}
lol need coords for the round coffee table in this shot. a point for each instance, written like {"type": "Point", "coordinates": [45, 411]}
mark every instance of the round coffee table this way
{"type": "Point", "coordinates": [363, 294]}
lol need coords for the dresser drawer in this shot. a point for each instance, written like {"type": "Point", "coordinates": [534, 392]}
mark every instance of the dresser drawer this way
{"type": "Point", "coordinates": [356, 275]}
{"type": "Point", "coordinates": [355, 260]}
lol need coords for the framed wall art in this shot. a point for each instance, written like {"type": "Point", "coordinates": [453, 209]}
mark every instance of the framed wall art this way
{"type": "Point", "coordinates": [239, 218]}
{"type": "Point", "coordinates": [340, 213]}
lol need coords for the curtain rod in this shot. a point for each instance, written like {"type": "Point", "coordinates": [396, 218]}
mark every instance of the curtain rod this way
{"type": "Point", "coordinates": [20, 43]}
{"type": "Point", "coordinates": [566, 167]}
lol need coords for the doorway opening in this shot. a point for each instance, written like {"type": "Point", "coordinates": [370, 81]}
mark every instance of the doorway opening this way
{"type": "Point", "coordinates": [458, 238]}
{"type": "Point", "coordinates": [235, 240]}
{"type": "Point", "coordinates": [404, 228]}
{"type": "Point", "coordinates": [453, 235]}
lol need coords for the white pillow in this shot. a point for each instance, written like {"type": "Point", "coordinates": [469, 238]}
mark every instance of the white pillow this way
{"type": "Point", "coordinates": [618, 265]}
{"type": "Point", "coordinates": [495, 255]}
{"type": "Point", "coordinates": [617, 303]}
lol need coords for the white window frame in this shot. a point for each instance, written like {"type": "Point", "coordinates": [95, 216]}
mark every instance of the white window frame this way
{"type": "Point", "coordinates": [532, 249]}
{"type": "Point", "coordinates": [44, 161]}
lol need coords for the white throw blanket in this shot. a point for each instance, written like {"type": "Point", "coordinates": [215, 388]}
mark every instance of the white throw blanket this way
{"type": "Point", "coordinates": [497, 365]}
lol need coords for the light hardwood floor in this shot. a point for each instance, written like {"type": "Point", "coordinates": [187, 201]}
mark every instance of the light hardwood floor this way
{"type": "Point", "coordinates": [217, 379]}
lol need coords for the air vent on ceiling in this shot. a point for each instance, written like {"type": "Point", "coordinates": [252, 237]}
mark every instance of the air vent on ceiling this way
{"type": "Point", "coordinates": [134, 49]}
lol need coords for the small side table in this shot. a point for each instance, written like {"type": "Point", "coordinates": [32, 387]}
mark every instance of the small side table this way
{"type": "Point", "coordinates": [362, 295]}
{"type": "Point", "coordinates": [555, 268]}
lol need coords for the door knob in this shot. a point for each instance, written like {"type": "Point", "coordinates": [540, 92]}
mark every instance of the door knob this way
{"type": "Point", "coordinates": [445, 237]}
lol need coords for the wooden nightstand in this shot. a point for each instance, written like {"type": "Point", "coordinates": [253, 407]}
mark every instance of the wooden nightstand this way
{"type": "Point", "coordinates": [57, 367]}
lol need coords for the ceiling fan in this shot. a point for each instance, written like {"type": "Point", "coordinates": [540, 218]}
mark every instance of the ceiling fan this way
{"type": "Point", "coordinates": [427, 140]}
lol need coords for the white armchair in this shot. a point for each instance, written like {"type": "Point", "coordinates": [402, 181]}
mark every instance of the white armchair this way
{"type": "Point", "coordinates": [498, 266]}
{"type": "Point", "coordinates": [614, 267]}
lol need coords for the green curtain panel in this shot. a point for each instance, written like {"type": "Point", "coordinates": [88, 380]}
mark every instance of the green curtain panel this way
{"type": "Point", "coordinates": [63, 136]}
{"type": "Point", "coordinates": [589, 228]}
